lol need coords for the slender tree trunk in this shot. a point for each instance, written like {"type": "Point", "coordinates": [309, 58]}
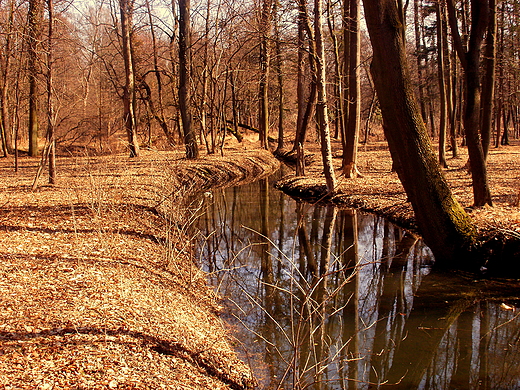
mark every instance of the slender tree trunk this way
{"type": "Point", "coordinates": [419, 56]}
{"type": "Point", "coordinates": [280, 79]}
{"type": "Point", "coordinates": [470, 61]}
{"type": "Point", "coordinates": [442, 86]}
{"type": "Point", "coordinates": [7, 135]}
{"type": "Point", "coordinates": [190, 141]}
{"type": "Point", "coordinates": [263, 117]}
{"type": "Point", "coordinates": [349, 163]}
{"type": "Point", "coordinates": [33, 36]}
{"type": "Point", "coordinates": [126, 10]}
{"type": "Point", "coordinates": [322, 115]}
{"type": "Point", "coordinates": [488, 84]}
{"type": "Point", "coordinates": [51, 137]}
{"type": "Point", "coordinates": [445, 226]}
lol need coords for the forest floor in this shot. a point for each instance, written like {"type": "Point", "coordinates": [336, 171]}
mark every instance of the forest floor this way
{"type": "Point", "coordinates": [98, 286]}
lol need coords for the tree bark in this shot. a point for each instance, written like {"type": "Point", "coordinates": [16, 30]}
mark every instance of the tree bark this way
{"type": "Point", "coordinates": [445, 226]}
{"type": "Point", "coordinates": [305, 106]}
{"type": "Point", "coordinates": [190, 141]}
{"type": "Point", "coordinates": [280, 79]}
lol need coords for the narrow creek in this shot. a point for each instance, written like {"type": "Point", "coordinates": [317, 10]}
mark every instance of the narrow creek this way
{"type": "Point", "coordinates": [321, 298]}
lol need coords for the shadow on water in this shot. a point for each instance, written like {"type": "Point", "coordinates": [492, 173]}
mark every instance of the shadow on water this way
{"type": "Point", "coordinates": [336, 299]}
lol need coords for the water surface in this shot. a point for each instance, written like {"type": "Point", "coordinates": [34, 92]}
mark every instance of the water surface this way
{"type": "Point", "coordinates": [322, 298]}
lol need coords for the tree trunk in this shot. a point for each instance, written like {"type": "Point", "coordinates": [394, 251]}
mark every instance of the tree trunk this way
{"type": "Point", "coordinates": [419, 55]}
{"type": "Point", "coordinates": [190, 141]}
{"type": "Point", "coordinates": [33, 36]}
{"type": "Point", "coordinates": [322, 115]}
{"type": "Point", "coordinates": [280, 78]}
{"type": "Point", "coordinates": [126, 10]}
{"type": "Point", "coordinates": [470, 61]}
{"type": "Point", "coordinates": [488, 84]}
{"type": "Point", "coordinates": [7, 134]}
{"type": "Point", "coordinates": [445, 226]}
{"type": "Point", "coordinates": [353, 99]}
{"type": "Point", "coordinates": [51, 136]}
{"type": "Point", "coordinates": [441, 72]}
{"type": "Point", "coordinates": [263, 113]}
{"type": "Point", "coordinates": [159, 116]}
{"type": "Point", "coordinates": [305, 106]}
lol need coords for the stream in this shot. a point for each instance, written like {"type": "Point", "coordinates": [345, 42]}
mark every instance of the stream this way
{"type": "Point", "coordinates": [321, 298]}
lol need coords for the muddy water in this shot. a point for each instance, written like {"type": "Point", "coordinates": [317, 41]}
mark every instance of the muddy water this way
{"type": "Point", "coordinates": [335, 299]}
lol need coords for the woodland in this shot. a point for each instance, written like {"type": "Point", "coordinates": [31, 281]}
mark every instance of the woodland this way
{"type": "Point", "coordinates": [115, 114]}
{"type": "Point", "coordinates": [111, 76]}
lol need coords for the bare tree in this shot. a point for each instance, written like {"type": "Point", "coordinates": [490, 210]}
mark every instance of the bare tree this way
{"type": "Point", "coordinates": [33, 36]}
{"type": "Point", "coordinates": [126, 11]}
{"type": "Point", "coordinates": [265, 59]}
{"type": "Point", "coordinates": [470, 60]}
{"type": "Point", "coordinates": [322, 115]}
{"type": "Point", "coordinates": [353, 97]}
{"type": "Point", "coordinates": [190, 141]}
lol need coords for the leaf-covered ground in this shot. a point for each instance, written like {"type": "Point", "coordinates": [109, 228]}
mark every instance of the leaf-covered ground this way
{"type": "Point", "coordinates": [98, 289]}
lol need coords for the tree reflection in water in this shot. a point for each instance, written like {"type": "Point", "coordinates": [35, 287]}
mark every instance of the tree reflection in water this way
{"type": "Point", "coordinates": [336, 299]}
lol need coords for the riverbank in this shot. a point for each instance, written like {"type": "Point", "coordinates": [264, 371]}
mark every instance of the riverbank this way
{"type": "Point", "coordinates": [99, 289]}
{"type": "Point", "coordinates": [379, 191]}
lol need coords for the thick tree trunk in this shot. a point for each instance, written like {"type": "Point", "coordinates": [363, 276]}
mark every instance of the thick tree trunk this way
{"type": "Point", "coordinates": [445, 226]}
{"type": "Point", "coordinates": [190, 141]}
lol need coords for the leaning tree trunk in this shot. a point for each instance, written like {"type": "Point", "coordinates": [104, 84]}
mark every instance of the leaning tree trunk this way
{"type": "Point", "coordinates": [190, 142]}
{"type": "Point", "coordinates": [444, 224]}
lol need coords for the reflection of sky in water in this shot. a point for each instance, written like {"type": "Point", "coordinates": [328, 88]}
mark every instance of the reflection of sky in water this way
{"type": "Point", "coordinates": [387, 319]}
